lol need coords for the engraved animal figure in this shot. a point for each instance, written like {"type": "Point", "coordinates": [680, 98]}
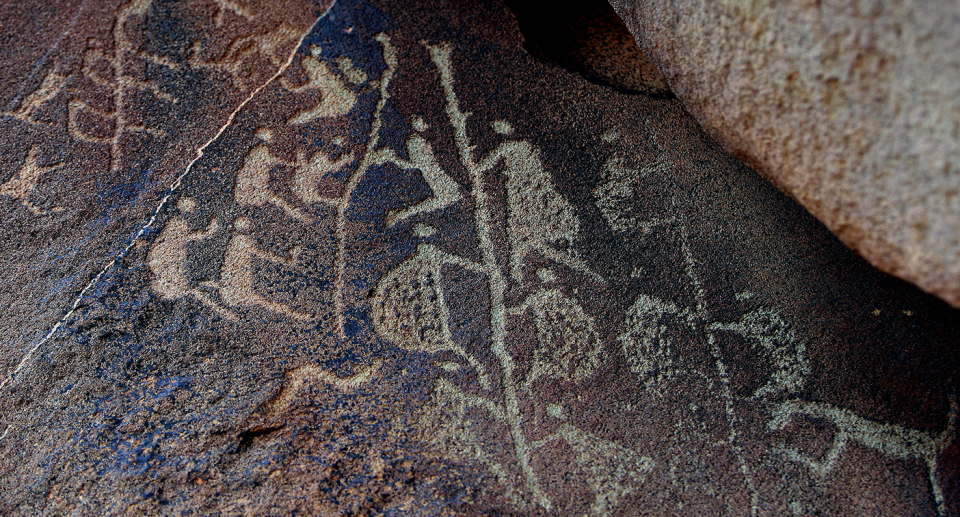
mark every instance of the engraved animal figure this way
{"type": "Point", "coordinates": [891, 440]}
{"type": "Point", "coordinates": [167, 259]}
{"type": "Point", "coordinates": [253, 184]}
{"type": "Point", "coordinates": [336, 100]}
{"type": "Point", "coordinates": [445, 190]}
{"type": "Point", "coordinates": [22, 185]}
{"type": "Point", "coordinates": [236, 282]}
{"type": "Point", "coordinates": [539, 218]}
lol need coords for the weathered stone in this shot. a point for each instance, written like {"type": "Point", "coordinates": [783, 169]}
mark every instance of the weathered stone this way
{"type": "Point", "coordinates": [422, 272]}
{"type": "Point", "coordinates": [852, 108]}
{"type": "Point", "coordinates": [104, 105]}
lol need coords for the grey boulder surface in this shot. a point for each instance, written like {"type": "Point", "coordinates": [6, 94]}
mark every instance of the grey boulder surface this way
{"type": "Point", "coordinates": [852, 108]}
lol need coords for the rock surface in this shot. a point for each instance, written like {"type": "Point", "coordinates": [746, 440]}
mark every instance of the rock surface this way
{"type": "Point", "coordinates": [852, 108]}
{"type": "Point", "coordinates": [422, 272]}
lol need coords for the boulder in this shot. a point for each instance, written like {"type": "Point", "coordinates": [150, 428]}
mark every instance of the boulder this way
{"type": "Point", "coordinates": [852, 108]}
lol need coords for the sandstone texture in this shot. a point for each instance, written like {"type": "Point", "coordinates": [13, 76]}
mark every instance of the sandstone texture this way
{"type": "Point", "coordinates": [419, 271]}
{"type": "Point", "coordinates": [852, 108]}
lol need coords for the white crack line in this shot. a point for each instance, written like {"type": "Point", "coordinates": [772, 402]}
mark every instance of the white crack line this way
{"type": "Point", "coordinates": [153, 218]}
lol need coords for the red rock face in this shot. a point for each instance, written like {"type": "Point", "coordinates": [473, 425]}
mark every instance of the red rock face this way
{"type": "Point", "coordinates": [421, 272]}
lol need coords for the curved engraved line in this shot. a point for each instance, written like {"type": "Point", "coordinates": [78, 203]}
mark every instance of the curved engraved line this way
{"type": "Point", "coordinates": [174, 187]}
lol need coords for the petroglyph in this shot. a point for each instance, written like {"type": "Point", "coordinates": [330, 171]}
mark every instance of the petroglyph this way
{"type": "Point", "coordinates": [788, 358]}
{"type": "Point", "coordinates": [569, 347]}
{"type": "Point", "coordinates": [445, 190]}
{"type": "Point", "coordinates": [120, 82]}
{"type": "Point", "coordinates": [167, 259]}
{"type": "Point", "coordinates": [228, 6]}
{"type": "Point", "coordinates": [648, 341]}
{"type": "Point", "coordinates": [891, 440]}
{"type": "Point", "coordinates": [22, 185]}
{"type": "Point", "coordinates": [336, 98]}
{"type": "Point", "coordinates": [310, 373]}
{"type": "Point", "coordinates": [154, 217]}
{"type": "Point", "coordinates": [539, 219]}
{"type": "Point", "coordinates": [237, 280]}
{"type": "Point", "coordinates": [613, 472]}
{"type": "Point", "coordinates": [616, 196]}
{"type": "Point", "coordinates": [235, 59]}
{"type": "Point", "coordinates": [410, 308]}
{"type": "Point", "coordinates": [53, 83]}
{"type": "Point", "coordinates": [351, 72]}
{"type": "Point", "coordinates": [310, 171]}
{"type": "Point", "coordinates": [368, 160]}
{"type": "Point", "coordinates": [253, 184]}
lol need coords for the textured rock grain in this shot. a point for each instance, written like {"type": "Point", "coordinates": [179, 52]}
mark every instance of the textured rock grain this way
{"type": "Point", "coordinates": [423, 272]}
{"type": "Point", "coordinates": [852, 108]}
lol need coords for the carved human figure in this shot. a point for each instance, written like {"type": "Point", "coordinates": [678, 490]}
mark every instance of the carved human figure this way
{"type": "Point", "coordinates": [253, 184]}
{"type": "Point", "coordinates": [237, 280]}
{"type": "Point", "coordinates": [310, 171]}
{"type": "Point", "coordinates": [539, 218]}
{"type": "Point", "coordinates": [167, 259]}
{"type": "Point", "coordinates": [445, 190]}
{"type": "Point", "coordinates": [336, 99]}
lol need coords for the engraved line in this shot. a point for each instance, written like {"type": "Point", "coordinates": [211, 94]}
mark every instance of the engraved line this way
{"type": "Point", "coordinates": [369, 158]}
{"type": "Point", "coordinates": [440, 54]}
{"type": "Point", "coordinates": [725, 392]}
{"type": "Point", "coordinates": [153, 218]}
